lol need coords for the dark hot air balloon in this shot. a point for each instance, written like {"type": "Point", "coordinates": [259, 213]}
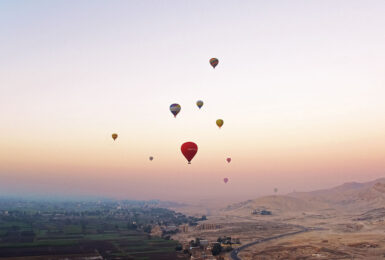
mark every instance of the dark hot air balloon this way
{"type": "Point", "coordinates": [214, 62]}
{"type": "Point", "coordinates": [199, 103]}
{"type": "Point", "coordinates": [114, 136]}
{"type": "Point", "coordinates": [228, 160]}
{"type": "Point", "coordinates": [189, 149]}
{"type": "Point", "coordinates": [226, 180]}
{"type": "Point", "coordinates": [175, 109]}
{"type": "Point", "coordinates": [151, 158]}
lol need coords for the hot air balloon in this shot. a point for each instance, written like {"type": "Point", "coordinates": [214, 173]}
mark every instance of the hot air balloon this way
{"type": "Point", "coordinates": [189, 149]}
{"type": "Point", "coordinates": [275, 190]}
{"type": "Point", "coordinates": [228, 159]}
{"type": "Point", "coordinates": [219, 123]}
{"type": "Point", "coordinates": [151, 158]}
{"type": "Point", "coordinates": [114, 136]}
{"type": "Point", "coordinates": [175, 109]}
{"type": "Point", "coordinates": [199, 103]}
{"type": "Point", "coordinates": [226, 180]}
{"type": "Point", "coordinates": [214, 62]}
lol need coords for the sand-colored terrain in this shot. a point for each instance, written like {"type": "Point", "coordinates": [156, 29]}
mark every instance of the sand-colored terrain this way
{"type": "Point", "coordinates": [346, 222]}
{"type": "Point", "coordinates": [342, 236]}
{"type": "Point", "coordinates": [321, 245]}
{"type": "Point", "coordinates": [246, 230]}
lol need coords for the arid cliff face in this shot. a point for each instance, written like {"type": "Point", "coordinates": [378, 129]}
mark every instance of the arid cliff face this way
{"type": "Point", "coordinates": [346, 198]}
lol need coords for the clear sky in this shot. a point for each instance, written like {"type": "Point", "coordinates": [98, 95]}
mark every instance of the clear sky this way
{"type": "Point", "coordinates": [300, 86]}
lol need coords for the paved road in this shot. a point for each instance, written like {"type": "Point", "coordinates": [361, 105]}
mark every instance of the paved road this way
{"type": "Point", "coordinates": [234, 253]}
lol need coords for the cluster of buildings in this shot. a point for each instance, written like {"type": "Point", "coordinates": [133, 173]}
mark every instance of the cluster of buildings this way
{"type": "Point", "coordinates": [183, 228]}
{"type": "Point", "coordinates": [261, 212]}
{"type": "Point", "coordinates": [158, 231]}
{"type": "Point", "coordinates": [201, 252]}
{"type": "Point", "coordinates": [207, 226]}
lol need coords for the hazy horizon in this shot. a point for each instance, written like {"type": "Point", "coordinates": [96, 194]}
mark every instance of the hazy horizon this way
{"type": "Point", "coordinates": [52, 196]}
{"type": "Point", "coordinates": [300, 86]}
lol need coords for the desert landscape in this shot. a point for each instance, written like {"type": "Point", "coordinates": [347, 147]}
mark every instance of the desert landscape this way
{"type": "Point", "coordinates": [344, 222]}
{"type": "Point", "coordinates": [192, 130]}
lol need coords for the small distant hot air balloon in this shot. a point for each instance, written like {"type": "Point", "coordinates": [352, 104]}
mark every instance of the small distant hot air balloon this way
{"type": "Point", "coordinates": [114, 136]}
{"type": "Point", "coordinates": [219, 123]}
{"type": "Point", "coordinates": [175, 109]}
{"type": "Point", "coordinates": [199, 103]}
{"type": "Point", "coordinates": [189, 149]}
{"type": "Point", "coordinates": [214, 62]}
{"type": "Point", "coordinates": [228, 159]}
{"type": "Point", "coordinates": [151, 158]}
{"type": "Point", "coordinates": [226, 180]}
{"type": "Point", "coordinates": [275, 190]}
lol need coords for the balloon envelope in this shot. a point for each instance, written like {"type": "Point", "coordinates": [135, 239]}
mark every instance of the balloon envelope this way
{"type": "Point", "coordinates": [114, 136]}
{"type": "Point", "coordinates": [151, 158]}
{"type": "Point", "coordinates": [226, 180]}
{"type": "Point", "coordinates": [175, 109]}
{"type": "Point", "coordinates": [199, 103]}
{"type": "Point", "coordinates": [228, 159]}
{"type": "Point", "coordinates": [214, 62]}
{"type": "Point", "coordinates": [189, 149]}
{"type": "Point", "coordinates": [219, 123]}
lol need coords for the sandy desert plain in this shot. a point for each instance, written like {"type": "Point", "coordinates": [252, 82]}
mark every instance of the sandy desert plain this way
{"type": "Point", "coordinates": [345, 222]}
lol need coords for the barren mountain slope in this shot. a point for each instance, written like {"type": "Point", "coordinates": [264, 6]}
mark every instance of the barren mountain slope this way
{"type": "Point", "coordinates": [276, 204]}
{"type": "Point", "coordinates": [350, 198]}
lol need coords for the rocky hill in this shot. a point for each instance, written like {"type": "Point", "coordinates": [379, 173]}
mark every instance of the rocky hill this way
{"type": "Point", "coordinates": [350, 197]}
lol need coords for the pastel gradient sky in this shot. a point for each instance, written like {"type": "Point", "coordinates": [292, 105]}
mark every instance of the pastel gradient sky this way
{"type": "Point", "coordinates": [300, 86]}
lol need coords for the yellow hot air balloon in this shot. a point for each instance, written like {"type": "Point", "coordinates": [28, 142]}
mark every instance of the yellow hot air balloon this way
{"type": "Point", "coordinates": [219, 123]}
{"type": "Point", "coordinates": [114, 136]}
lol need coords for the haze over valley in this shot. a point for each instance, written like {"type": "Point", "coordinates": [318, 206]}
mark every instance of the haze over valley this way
{"type": "Point", "coordinates": [202, 130]}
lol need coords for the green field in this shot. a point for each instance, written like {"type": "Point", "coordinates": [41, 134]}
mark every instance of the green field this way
{"type": "Point", "coordinates": [60, 230]}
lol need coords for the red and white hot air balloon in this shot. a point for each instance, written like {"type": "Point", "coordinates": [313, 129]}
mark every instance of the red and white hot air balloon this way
{"type": "Point", "coordinates": [189, 150]}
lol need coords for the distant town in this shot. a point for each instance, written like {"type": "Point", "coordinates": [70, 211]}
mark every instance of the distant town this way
{"type": "Point", "coordinates": [103, 229]}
